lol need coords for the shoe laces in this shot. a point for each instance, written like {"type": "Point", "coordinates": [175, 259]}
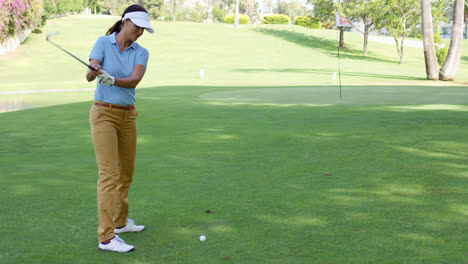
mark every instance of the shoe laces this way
{"type": "Point", "coordinates": [118, 239]}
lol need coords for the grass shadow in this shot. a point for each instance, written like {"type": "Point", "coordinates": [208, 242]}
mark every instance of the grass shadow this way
{"type": "Point", "coordinates": [464, 60]}
{"type": "Point", "coordinates": [322, 44]}
{"type": "Point", "coordinates": [259, 168]}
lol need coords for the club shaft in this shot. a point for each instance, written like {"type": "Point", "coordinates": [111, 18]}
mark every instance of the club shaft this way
{"type": "Point", "coordinates": [69, 53]}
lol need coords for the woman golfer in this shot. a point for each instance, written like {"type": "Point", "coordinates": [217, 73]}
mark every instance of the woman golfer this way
{"type": "Point", "coordinates": [120, 64]}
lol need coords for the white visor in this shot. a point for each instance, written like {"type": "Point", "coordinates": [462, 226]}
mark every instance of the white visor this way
{"type": "Point", "coordinates": [140, 19]}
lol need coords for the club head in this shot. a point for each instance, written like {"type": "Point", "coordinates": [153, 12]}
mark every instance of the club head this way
{"type": "Point", "coordinates": [51, 35]}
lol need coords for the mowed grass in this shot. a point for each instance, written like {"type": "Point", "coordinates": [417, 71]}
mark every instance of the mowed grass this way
{"type": "Point", "coordinates": [250, 143]}
{"type": "Point", "coordinates": [396, 194]}
{"type": "Point", "coordinates": [265, 55]}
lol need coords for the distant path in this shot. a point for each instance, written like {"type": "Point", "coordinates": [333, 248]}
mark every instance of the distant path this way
{"type": "Point", "coordinates": [48, 91]}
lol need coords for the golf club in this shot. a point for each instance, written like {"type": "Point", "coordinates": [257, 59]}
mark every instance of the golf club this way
{"type": "Point", "coordinates": [53, 34]}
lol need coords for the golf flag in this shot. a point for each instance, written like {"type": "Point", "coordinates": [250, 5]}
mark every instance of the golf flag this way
{"type": "Point", "coordinates": [341, 21]}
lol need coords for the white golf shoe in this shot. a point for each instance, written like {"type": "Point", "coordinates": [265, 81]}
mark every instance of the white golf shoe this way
{"type": "Point", "coordinates": [129, 227]}
{"type": "Point", "coordinates": [116, 244]}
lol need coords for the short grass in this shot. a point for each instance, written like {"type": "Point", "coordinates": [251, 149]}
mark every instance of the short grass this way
{"type": "Point", "coordinates": [250, 143]}
{"type": "Point", "coordinates": [396, 194]}
{"type": "Point", "coordinates": [265, 55]}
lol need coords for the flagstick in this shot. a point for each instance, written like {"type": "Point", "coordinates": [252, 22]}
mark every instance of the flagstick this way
{"type": "Point", "coordinates": [341, 21]}
{"type": "Point", "coordinates": [339, 66]}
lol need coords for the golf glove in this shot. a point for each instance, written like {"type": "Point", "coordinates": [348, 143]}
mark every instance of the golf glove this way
{"type": "Point", "coordinates": [105, 78]}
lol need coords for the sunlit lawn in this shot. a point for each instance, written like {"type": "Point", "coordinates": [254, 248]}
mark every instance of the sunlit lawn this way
{"type": "Point", "coordinates": [291, 172]}
{"type": "Point", "coordinates": [265, 55]}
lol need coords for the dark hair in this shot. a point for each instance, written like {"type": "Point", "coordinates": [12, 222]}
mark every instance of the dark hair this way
{"type": "Point", "coordinates": [118, 25]}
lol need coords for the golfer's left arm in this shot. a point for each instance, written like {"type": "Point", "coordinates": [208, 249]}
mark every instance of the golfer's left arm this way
{"type": "Point", "coordinates": [134, 79]}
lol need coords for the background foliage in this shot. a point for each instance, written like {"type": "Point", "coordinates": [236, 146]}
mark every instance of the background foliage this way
{"type": "Point", "coordinates": [275, 19]}
{"type": "Point", "coordinates": [308, 22]}
{"type": "Point", "coordinates": [16, 15]}
{"type": "Point", "coordinates": [243, 19]}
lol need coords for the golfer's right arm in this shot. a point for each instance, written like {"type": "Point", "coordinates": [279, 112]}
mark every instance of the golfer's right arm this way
{"type": "Point", "coordinates": [91, 75]}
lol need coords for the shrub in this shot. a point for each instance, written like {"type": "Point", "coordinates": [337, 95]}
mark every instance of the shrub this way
{"type": "Point", "coordinates": [192, 16]}
{"type": "Point", "coordinates": [243, 19]}
{"type": "Point", "coordinates": [441, 52]}
{"type": "Point", "coordinates": [218, 15]}
{"type": "Point", "coordinates": [275, 19]}
{"type": "Point", "coordinates": [308, 22]}
{"type": "Point", "coordinates": [189, 15]}
{"type": "Point", "coordinates": [4, 19]}
{"type": "Point", "coordinates": [17, 15]}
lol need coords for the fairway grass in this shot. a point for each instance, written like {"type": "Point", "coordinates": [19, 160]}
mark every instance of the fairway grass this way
{"type": "Point", "coordinates": [396, 194]}
{"type": "Point", "coordinates": [253, 55]}
{"type": "Point", "coordinates": [291, 172]}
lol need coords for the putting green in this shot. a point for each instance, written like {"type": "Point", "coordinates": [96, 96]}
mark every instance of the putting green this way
{"type": "Point", "coordinates": [330, 95]}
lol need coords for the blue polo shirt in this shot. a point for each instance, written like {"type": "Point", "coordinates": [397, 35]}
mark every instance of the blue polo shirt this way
{"type": "Point", "coordinates": [118, 64]}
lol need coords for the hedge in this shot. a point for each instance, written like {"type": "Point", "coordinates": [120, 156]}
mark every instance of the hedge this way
{"type": "Point", "coordinates": [275, 19]}
{"type": "Point", "coordinates": [308, 22]}
{"type": "Point", "coordinates": [243, 19]}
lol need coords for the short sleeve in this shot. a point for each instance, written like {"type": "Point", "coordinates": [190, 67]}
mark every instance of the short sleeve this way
{"type": "Point", "coordinates": [98, 50]}
{"type": "Point", "coordinates": [143, 57]}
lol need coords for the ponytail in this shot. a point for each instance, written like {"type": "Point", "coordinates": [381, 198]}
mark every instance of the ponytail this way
{"type": "Point", "coordinates": [115, 28]}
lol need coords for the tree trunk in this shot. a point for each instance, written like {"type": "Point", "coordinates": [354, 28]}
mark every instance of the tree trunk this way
{"type": "Point", "coordinates": [450, 67]}
{"type": "Point", "coordinates": [466, 18]}
{"type": "Point", "coordinates": [342, 38]}
{"type": "Point", "coordinates": [432, 72]}
{"type": "Point", "coordinates": [402, 51]}
{"type": "Point", "coordinates": [397, 44]}
{"type": "Point", "coordinates": [466, 25]}
{"type": "Point", "coordinates": [236, 16]}
{"type": "Point", "coordinates": [209, 19]}
{"type": "Point", "coordinates": [174, 5]}
{"type": "Point", "coordinates": [366, 37]}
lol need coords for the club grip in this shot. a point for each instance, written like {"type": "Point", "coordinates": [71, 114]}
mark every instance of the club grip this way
{"type": "Point", "coordinates": [91, 68]}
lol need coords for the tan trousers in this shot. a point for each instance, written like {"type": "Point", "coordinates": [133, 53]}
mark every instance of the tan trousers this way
{"type": "Point", "coordinates": [114, 137]}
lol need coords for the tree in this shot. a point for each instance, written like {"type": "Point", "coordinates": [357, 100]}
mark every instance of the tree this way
{"type": "Point", "coordinates": [450, 67]}
{"type": "Point", "coordinates": [340, 7]}
{"type": "Point", "coordinates": [154, 7]}
{"type": "Point", "coordinates": [249, 8]}
{"type": "Point", "coordinates": [174, 10]}
{"type": "Point", "coordinates": [325, 10]}
{"type": "Point", "coordinates": [209, 18]}
{"type": "Point", "coordinates": [292, 9]}
{"type": "Point", "coordinates": [367, 11]}
{"type": "Point", "coordinates": [466, 18]}
{"type": "Point", "coordinates": [236, 17]}
{"type": "Point", "coordinates": [439, 14]}
{"type": "Point", "coordinates": [400, 18]}
{"type": "Point", "coordinates": [432, 71]}
{"type": "Point", "coordinates": [92, 4]}
{"type": "Point", "coordinates": [218, 11]}
{"type": "Point", "coordinates": [113, 6]}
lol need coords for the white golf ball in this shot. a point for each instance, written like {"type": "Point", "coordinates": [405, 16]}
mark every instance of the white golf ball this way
{"type": "Point", "coordinates": [202, 238]}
